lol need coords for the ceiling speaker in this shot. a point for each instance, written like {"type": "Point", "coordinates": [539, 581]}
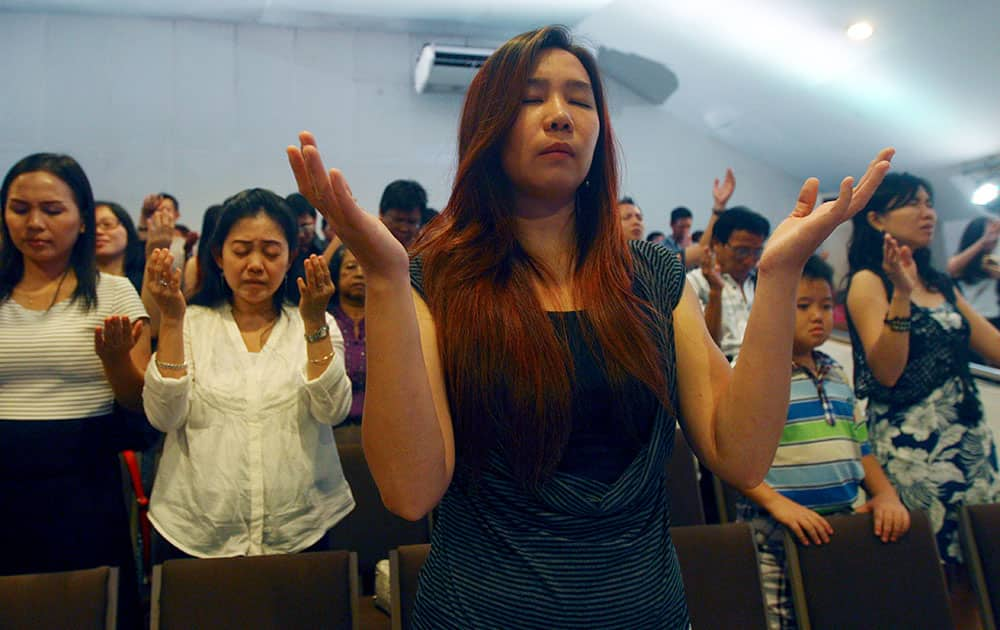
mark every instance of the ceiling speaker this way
{"type": "Point", "coordinates": [649, 79]}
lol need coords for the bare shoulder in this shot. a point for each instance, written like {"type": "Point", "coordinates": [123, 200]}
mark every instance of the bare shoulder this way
{"type": "Point", "coordinates": [867, 283]}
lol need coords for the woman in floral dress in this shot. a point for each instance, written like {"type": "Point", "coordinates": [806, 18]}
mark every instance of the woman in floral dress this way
{"type": "Point", "coordinates": [911, 333]}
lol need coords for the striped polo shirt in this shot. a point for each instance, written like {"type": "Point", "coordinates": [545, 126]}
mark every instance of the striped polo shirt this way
{"type": "Point", "coordinates": [818, 463]}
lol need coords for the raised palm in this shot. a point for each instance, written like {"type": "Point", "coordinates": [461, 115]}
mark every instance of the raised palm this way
{"type": "Point", "coordinates": [722, 192]}
{"type": "Point", "coordinates": [798, 236]}
{"type": "Point", "coordinates": [369, 239]}
{"type": "Point", "coordinates": [164, 284]}
{"type": "Point", "coordinates": [898, 265]}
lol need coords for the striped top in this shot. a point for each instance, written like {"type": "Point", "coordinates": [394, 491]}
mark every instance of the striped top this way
{"type": "Point", "coordinates": [577, 552]}
{"type": "Point", "coordinates": [48, 367]}
{"type": "Point", "coordinates": [818, 463]}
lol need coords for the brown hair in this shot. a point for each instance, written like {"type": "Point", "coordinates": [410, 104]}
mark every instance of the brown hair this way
{"type": "Point", "coordinates": [508, 371]}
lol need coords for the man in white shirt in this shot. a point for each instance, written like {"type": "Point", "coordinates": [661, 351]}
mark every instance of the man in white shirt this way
{"type": "Point", "coordinates": [726, 280]}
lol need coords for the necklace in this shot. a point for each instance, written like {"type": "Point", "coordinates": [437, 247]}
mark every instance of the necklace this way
{"type": "Point", "coordinates": [29, 296]}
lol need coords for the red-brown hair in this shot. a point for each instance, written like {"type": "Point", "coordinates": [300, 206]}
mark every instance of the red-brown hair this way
{"type": "Point", "coordinates": [508, 371]}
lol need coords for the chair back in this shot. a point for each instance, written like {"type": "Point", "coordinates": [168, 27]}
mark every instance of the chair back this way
{"type": "Point", "coordinates": [682, 484]}
{"type": "Point", "coordinates": [86, 599]}
{"type": "Point", "coordinates": [404, 572]}
{"type": "Point", "coordinates": [856, 579]}
{"type": "Point", "coordinates": [288, 592]}
{"type": "Point", "coordinates": [726, 497]}
{"type": "Point", "coordinates": [721, 578]}
{"type": "Point", "coordinates": [370, 529]}
{"type": "Point", "coordinates": [980, 536]}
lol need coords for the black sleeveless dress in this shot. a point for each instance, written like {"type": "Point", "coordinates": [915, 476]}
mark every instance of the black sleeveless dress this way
{"type": "Point", "coordinates": [591, 547]}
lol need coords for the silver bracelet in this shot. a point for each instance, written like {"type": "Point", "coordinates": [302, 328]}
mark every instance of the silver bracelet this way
{"type": "Point", "coordinates": [163, 365]}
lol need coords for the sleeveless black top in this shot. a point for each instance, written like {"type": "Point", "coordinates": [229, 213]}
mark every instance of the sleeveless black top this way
{"type": "Point", "coordinates": [590, 548]}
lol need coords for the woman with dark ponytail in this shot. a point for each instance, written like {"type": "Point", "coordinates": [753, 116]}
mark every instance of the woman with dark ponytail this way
{"type": "Point", "coordinates": [911, 333]}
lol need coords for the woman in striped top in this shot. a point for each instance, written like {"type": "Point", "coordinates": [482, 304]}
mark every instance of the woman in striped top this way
{"type": "Point", "coordinates": [529, 383]}
{"type": "Point", "coordinates": [73, 348]}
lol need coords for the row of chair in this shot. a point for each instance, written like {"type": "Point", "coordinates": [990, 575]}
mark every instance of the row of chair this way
{"type": "Point", "coordinates": [854, 560]}
{"type": "Point", "coordinates": [853, 581]}
{"type": "Point", "coordinates": [371, 531]}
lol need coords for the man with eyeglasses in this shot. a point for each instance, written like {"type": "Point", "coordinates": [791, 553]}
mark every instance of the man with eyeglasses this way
{"type": "Point", "coordinates": [726, 280]}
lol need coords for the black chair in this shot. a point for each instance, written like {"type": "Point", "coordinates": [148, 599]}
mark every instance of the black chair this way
{"type": "Point", "coordinates": [370, 529]}
{"type": "Point", "coordinates": [287, 592]}
{"type": "Point", "coordinates": [725, 500]}
{"type": "Point", "coordinates": [682, 483]}
{"type": "Point", "coordinates": [857, 580]}
{"type": "Point", "coordinates": [404, 573]}
{"type": "Point", "coordinates": [86, 599]}
{"type": "Point", "coordinates": [721, 577]}
{"type": "Point", "coordinates": [980, 536]}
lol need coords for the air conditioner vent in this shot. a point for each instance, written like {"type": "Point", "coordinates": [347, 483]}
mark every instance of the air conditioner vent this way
{"type": "Point", "coordinates": [447, 68]}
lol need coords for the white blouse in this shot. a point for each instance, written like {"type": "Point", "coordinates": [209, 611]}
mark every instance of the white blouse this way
{"type": "Point", "coordinates": [249, 464]}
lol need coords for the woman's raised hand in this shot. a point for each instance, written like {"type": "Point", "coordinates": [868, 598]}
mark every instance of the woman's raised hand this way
{"type": "Point", "coordinates": [160, 229]}
{"type": "Point", "coordinates": [898, 265]}
{"type": "Point", "coordinates": [315, 289]}
{"type": "Point", "coordinates": [115, 339]}
{"type": "Point", "coordinates": [164, 284]}
{"type": "Point", "coordinates": [375, 247]}
{"type": "Point", "coordinates": [798, 236]}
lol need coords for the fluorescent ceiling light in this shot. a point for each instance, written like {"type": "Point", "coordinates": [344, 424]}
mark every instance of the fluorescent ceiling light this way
{"type": "Point", "coordinates": [860, 31]}
{"type": "Point", "coordinates": [985, 194]}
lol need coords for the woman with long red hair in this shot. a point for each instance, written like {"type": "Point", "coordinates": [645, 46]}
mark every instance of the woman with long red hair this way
{"type": "Point", "coordinates": [529, 382]}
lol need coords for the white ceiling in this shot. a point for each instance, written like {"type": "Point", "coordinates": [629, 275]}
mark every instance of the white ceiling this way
{"type": "Point", "coordinates": [779, 80]}
{"type": "Point", "coordinates": [775, 79]}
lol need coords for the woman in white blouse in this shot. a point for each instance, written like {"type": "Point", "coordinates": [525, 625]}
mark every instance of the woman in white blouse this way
{"type": "Point", "coordinates": [247, 389]}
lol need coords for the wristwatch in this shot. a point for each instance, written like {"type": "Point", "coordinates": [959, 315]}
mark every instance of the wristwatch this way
{"type": "Point", "coordinates": [321, 333]}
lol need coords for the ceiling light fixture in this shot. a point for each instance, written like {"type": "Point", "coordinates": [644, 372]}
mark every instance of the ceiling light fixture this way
{"type": "Point", "coordinates": [860, 31]}
{"type": "Point", "coordinates": [985, 194]}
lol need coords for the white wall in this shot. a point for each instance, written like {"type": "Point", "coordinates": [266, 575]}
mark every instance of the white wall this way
{"type": "Point", "coordinates": [669, 164]}
{"type": "Point", "coordinates": [203, 109]}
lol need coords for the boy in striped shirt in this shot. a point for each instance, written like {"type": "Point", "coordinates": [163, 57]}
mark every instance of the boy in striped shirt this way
{"type": "Point", "coordinates": [823, 456]}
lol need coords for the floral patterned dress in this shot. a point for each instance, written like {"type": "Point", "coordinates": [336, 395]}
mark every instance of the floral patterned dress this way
{"type": "Point", "coordinates": [928, 431]}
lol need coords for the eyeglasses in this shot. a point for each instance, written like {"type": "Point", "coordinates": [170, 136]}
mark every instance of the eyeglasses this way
{"type": "Point", "coordinates": [107, 226]}
{"type": "Point", "coordinates": [746, 252]}
{"type": "Point", "coordinates": [307, 228]}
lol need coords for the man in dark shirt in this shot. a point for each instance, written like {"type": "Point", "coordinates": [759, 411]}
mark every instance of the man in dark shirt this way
{"type": "Point", "coordinates": [307, 245]}
{"type": "Point", "coordinates": [401, 208]}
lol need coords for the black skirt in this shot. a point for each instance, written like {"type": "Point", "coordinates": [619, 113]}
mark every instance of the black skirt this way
{"type": "Point", "coordinates": [61, 492]}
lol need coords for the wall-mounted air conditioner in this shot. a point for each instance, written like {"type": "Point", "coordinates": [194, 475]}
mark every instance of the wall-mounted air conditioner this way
{"type": "Point", "coordinates": [447, 68]}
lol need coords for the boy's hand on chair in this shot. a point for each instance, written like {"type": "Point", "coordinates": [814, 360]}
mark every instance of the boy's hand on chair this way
{"type": "Point", "coordinates": [808, 526]}
{"type": "Point", "coordinates": [892, 519]}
